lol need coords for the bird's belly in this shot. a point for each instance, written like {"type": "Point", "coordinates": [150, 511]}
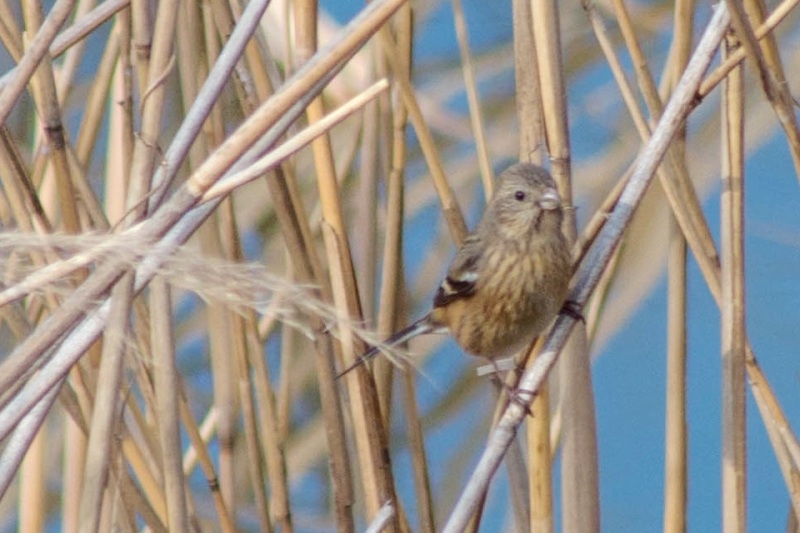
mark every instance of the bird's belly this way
{"type": "Point", "coordinates": [492, 331]}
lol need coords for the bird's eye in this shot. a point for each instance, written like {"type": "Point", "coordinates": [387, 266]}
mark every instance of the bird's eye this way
{"type": "Point", "coordinates": [519, 195]}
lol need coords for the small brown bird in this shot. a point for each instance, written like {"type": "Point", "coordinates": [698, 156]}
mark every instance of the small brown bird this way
{"type": "Point", "coordinates": [509, 278]}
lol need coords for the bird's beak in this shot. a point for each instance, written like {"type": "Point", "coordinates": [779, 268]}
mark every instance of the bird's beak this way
{"type": "Point", "coordinates": [550, 200]}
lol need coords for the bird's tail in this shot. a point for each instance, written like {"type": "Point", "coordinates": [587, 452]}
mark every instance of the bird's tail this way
{"type": "Point", "coordinates": [420, 327]}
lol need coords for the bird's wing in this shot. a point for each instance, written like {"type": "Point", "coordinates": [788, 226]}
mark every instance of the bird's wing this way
{"type": "Point", "coordinates": [462, 276]}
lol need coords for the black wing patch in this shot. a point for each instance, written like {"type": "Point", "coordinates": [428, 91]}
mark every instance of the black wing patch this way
{"type": "Point", "coordinates": [462, 277]}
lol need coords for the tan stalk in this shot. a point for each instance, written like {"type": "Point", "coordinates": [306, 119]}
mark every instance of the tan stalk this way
{"type": "Point", "coordinates": [106, 409]}
{"type": "Point", "coordinates": [452, 212]}
{"type": "Point", "coordinates": [701, 245]}
{"type": "Point", "coordinates": [475, 114]}
{"type": "Point", "coordinates": [153, 91]}
{"type": "Point", "coordinates": [676, 445]}
{"type": "Point", "coordinates": [35, 52]}
{"type": "Point", "coordinates": [715, 77]}
{"type": "Point", "coordinates": [167, 387]}
{"type": "Point", "coordinates": [767, 62]}
{"type": "Point", "coordinates": [579, 472]}
{"type": "Point", "coordinates": [377, 481]}
{"type": "Point", "coordinates": [392, 286]}
{"type": "Point", "coordinates": [74, 55]}
{"type": "Point", "coordinates": [531, 145]}
{"type": "Point", "coordinates": [732, 303]}
{"type": "Point", "coordinates": [32, 488]}
{"type": "Point", "coordinates": [120, 121]}
{"type": "Point", "coordinates": [98, 99]}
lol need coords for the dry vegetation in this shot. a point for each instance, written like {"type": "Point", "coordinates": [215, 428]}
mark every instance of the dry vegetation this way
{"type": "Point", "coordinates": [197, 234]}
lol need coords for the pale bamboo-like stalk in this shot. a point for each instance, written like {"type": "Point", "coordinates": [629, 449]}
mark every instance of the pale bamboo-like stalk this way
{"type": "Point", "coordinates": [44, 90]}
{"type": "Point", "coordinates": [10, 35]}
{"type": "Point", "coordinates": [673, 175]}
{"type": "Point", "coordinates": [390, 310]}
{"type": "Point", "coordinates": [732, 303]}
{"type": "Point", "coordinates": [226, 394]}
{"type": "Point", "coordinates": [97, 100]}
{"type": "Point", "coordinates": [676, 445]}
{"type": "Point", "coordinates": [120, 120]}
{"type": "Point", "coordinates": [528, 93]}
{"type": "Point", "coordinates": [73, 56]}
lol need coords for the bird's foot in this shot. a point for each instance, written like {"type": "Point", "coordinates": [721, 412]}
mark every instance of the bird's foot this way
{"type": "Point", "coordinates": [574, 310]}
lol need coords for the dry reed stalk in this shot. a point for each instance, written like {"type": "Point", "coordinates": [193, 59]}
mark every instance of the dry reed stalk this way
{"type": "Point", "coordinates": [166, 383]}
{"type": "Point", "coordinates": [166, 218]}
{"type": "Point", "coordinates": [103, 423]}
{"type": "Point", "coordinates": [34, 53]}
{"type": "Point", "coordinates": [700, 239]}
{"type": "Point", "coordinates": [673, 176]}
{"type": "Point", "coordinates": [531, 144]}
{"type": "Point", "coordinates": [579, 472]}
{"type": "Point", "coordinates": [676, 439]}
{"type": "Point", "coordinates": [371, 444]}
{"type": "Point", "coordinates": [450, 208]}
{"type": "Point", "coordinates": [73, 57]}
{"type": "Point", "coordinates": [389, 314]}
{"type": "Point", "coordinates": [770, 23]}
{"type": "Point", "coordinates": [32, 504]}
{"type": "Point", "coordinates": [732, 303]}
{"type": "Point", "coordinates": [10, 34]}
{"type": "Point", "coordinates": [390, 311]}
{"type": "Point", "coordinates": [475, 113]}
{"type": "Point", "coordinates": [764, 56]}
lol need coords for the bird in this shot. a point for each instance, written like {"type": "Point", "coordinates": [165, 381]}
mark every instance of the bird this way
{"type": "Point", "coordinates": [510, 276]}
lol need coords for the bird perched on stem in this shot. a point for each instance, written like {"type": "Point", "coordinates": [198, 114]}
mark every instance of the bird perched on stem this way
{"type": "Point", "coordinates": [510, 276]}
